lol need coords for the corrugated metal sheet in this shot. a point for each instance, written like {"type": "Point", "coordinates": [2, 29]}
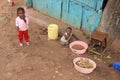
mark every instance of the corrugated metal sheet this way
{"type": "Point", "coordinates": [78, 13]}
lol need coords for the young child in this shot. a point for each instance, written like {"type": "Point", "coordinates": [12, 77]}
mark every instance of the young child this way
{"type": "Point", "coordinates": [22, 26]}
{"type": "Point", "coordinates": [65, 39]}
{"type": "Point", "coordinates": [12, 1]}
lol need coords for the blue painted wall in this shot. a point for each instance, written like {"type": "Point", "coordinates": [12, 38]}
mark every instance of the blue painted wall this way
{"type": "Point", "coordinates": [54, 8]}
{"type": "Point", "coordinates": [90, 19]}
{"type": "Point", "coordinates": [85, 14]}
{"type": "Point", "coordinates": [72, 14]}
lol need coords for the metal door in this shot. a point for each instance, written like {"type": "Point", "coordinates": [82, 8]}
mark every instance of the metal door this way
{"type": "Point", "coordinates": [54, 8]}
{"type": "Point", "coordinates": [90, 19]}
{"type": "Point", "coordinates": [73, 14]}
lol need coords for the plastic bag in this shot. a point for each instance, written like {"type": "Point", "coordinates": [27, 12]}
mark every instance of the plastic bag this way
{"type": "Point", "coordinates": [116, 65]}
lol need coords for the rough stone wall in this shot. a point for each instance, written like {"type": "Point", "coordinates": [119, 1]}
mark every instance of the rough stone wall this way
{"type": "Point", "coordinates": [110, 21]}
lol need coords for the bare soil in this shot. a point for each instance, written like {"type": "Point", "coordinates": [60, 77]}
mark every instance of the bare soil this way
{"type": "Point", "coordinates": [44, 59]}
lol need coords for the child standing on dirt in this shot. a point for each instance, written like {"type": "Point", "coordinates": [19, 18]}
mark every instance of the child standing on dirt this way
{"type": "Point", "coordinates": [22, 26]}
{"type": "Point", "coordinates": [12, 1]}
{"type": "Point", "coordinates": [65, 39]}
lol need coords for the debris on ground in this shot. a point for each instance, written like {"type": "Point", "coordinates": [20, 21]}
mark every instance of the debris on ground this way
{"type": "Point", "coordinates": [99, 56]}
{"type": "Point", "coordinates": [84, 64]}
{"type": "Point", "coordinates": [93, 50]}
{"type": "Point", "coordinates": [43, 31]}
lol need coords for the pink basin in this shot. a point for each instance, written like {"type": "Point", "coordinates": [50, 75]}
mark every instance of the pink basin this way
{"type": "Point", "coordinates": [85, 45]}
{"type": "Point", "coordinates": [84, 70]}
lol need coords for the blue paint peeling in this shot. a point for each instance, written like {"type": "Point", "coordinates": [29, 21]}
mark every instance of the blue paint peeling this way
{"type": "Point", "coordinates": [54, 8]}
{"type": "Point", "coordinates": [73, 14]}
{"type": "Point", "coordinates": [90, 19]}
{"type": "Point", "coordinates": [78, 13]}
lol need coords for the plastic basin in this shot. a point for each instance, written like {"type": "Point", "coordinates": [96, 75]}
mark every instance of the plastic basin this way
{"type": "Point", "coordinates": [81, 43]}
{"type": "Point", "coordinates": [84, 70]}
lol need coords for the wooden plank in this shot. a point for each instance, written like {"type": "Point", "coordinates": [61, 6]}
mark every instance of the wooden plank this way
{"type": "Point", "coordinates": [95, 52]}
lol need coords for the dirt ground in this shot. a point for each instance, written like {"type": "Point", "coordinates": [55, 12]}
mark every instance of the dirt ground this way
{"type": "Point", "coordinates": [43, 59]}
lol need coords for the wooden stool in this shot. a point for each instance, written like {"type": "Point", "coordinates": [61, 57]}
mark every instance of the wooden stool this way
{"type": "Point", "coordinates": [98, 39]}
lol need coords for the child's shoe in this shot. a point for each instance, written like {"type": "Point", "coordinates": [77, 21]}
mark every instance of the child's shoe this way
{"type": "Point", "coordinates": [28, 43]}
{"type": "Point", "coordinates": [21, 44]}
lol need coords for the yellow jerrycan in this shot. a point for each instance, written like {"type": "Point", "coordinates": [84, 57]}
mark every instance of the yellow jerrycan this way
{"type": "Point", "coordinates": [53, 31]}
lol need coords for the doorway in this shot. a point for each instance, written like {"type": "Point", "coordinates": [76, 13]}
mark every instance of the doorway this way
{"type": "Point", "coordinates": [104, 4]}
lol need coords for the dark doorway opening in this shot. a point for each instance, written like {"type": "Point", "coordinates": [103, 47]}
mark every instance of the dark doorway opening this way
{"type": "Point", "coordinates": [104, 4]}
